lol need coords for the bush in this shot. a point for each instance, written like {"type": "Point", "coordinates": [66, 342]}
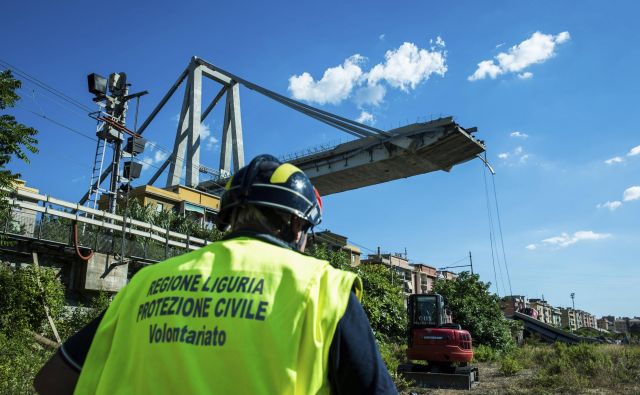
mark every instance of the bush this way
{"type": "Point", "coordinates": [20, 360]}
{"type": "Point", "coordinates": [482, 353]}
{"type": "Point", "coordinates": [22, 299]}
{"type": "Point", "coordinates": [22, 314]}
{"type": "Point", "coordinates": [510, 366]}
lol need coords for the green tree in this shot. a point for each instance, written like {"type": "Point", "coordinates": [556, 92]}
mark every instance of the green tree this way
{"type": "Point", "coordinates": [384, 302]}
{"type": "Point", "coordinates": [16, 139]}
{"type": "Point", "coordinates": [476, 309]}
{"type": "Point", "coordinates": [25, 290]}
{"type": "Point", "coordinates": [383, 298]}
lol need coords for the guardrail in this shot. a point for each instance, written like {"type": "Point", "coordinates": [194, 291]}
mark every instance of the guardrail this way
{"type": "Point", "coordinates": [46, 218]}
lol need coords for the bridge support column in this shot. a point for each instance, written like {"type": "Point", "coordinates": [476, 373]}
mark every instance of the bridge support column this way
{"type": "Point", "coordinates": [232, 143]}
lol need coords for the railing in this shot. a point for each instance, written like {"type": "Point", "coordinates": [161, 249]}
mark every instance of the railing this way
{"type": "Point", "coordinates": [328, 146]}
{"type": "Point", "coordinates": [46, 218]}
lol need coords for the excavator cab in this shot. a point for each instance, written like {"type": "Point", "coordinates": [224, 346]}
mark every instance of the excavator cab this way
{"type": "Point", "coordinates": [426, 310]}
{"type": "Point", "coordinates": [445, 346]}
{"type": "Point", "coordinates": [431, 337]}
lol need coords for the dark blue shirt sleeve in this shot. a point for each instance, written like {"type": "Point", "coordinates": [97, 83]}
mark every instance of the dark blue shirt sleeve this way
{"type": "Point", "coordinates": [75, 349]}
{"type": "Point", "coordinates": [355, 364]}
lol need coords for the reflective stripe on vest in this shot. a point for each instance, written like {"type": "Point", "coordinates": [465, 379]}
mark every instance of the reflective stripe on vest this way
{"type": "Point", "coordinates": [239, 316]}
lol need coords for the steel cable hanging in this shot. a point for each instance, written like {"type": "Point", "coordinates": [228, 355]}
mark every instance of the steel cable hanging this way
{"type": "Point", "coordinates": [493, 262]}
{"type": "Point", "coordinates": [495, 238]}
{"type": "Point", "coordinates": [504, 255]}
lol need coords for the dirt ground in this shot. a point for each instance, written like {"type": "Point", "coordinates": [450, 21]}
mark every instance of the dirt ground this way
{"type": "Point", "coordinates": [491, 382]}
{"type": "Point", "coordinates": [494, 382]}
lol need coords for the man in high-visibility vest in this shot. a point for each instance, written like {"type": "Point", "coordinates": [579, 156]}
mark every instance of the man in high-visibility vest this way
{"type": "Point", "coordinates": [246, 315]}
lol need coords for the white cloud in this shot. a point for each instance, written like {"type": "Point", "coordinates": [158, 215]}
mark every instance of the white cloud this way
{"type": "Point", "coordinates": [159, 156]}
{"type": "Point", "coordinates": [150, 145]}
{"type": "Point", "coordinates": [563, 37]}
{"type": "Point", "coordinates": [146, 163]}
{"type": "Point", "coordinates": [526, 75]}
{"type": "Point", "coordinates": [370, 94]}
{"type": "Point", "coordinates": [486, 68]}
{"type": "Point", "coordinates": [519, 135]}
{"type": "Point", "coordinates": [531, 247]}
{"type": "Point", "coordinates": [154, 157]}
{"type": "Point", "coordinates": [610, 205]}
{"type": "Point", "coordinates": [499, 45]}
{"type": "Point", "coordinates": [634, 151]}
{"type": "Point", "coordinates": [518, 155]}
{"type": "Point", "coordinates": [381, 37]}
{"type": "Point", "coordinates": [615, 159]}
{"type": "Point", "coordinates": [565, 240]}
{"type": "Point", "coordinates": [631, 193]}
{"type": "Point", "coordinates": [335, 85]}
{"type": "Point", "coordinates": [536, 49]}
{"type": "Point", "coordinates": [206, 137]}
{"type": "Point", "coordinates": [404, 68]}
{"type": "Point", "coordinates": [366, 117]}
{"type": "Point", "coordinates": [407, 66]}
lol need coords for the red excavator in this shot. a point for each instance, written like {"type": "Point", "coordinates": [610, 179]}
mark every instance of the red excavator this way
{"type": "Point", "coordinates": [444, 346]}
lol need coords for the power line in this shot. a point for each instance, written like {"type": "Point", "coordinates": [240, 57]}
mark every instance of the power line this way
{"type": "Point", "coordinates": [60, 124]}
{"type": "Point", "coordinates": [84, 108]}
{"type": "Point", "coordinates": [459, 260]}
{"type": "Point", "coordinates": [44, 85]}
{"type": "Point", "coordinates": [36, 91]}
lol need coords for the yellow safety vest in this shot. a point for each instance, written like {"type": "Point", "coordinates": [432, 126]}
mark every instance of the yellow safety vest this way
{"type": "Point", "coordinates": [240, 316]}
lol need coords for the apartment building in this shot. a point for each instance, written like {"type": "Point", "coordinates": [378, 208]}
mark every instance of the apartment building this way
{"type": "Point", "coordinates": [183, 200]}
{"type": "Point", "coordinates": [400, 265]}
{"type": "Point", "coordinates": [545, 310]}
{"type": "Point", "coordinates": [556, 315]}
{"type": "Point", "coordinates": [23, 221]}
{"type": "Point", "coordinates": [512, 304]}
{"type": "Point", "coordinates": [606, 323]}
{"type": "Point", "coordinates": [568, 318]}
{"type": "Point", "coordinates": [424, 277]}
{"type": "Point", "coordinates": [627, 325]}
{"type": "Point", "coordinates": [338, 242]}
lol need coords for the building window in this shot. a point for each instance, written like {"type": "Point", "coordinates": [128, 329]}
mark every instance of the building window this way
{"type": "Point", "coordinates": [159, 207]}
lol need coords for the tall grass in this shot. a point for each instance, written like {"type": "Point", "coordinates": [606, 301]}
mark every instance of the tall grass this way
{"type": "Point", "coordinates": [575, 369]}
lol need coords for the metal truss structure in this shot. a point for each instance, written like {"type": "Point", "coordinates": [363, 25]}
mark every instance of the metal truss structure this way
{"type": "Point", "coordinates": [186, 150]}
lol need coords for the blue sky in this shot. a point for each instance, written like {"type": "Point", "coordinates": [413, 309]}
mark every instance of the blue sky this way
{"type": "Point", "coordinates": [556, 100]}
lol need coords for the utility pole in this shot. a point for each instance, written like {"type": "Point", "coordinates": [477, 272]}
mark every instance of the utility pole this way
{"type": "Point", "coordinates": [573, 300]}
{"type": "Point", "coordinates": [112, 94]}
{"type": "Point", "coordinates": [471, 262]}
{"type": "Point", "coordinates": [117, 109]}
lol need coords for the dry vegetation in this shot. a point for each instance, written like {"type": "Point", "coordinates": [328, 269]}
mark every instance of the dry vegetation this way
{"type": "Point", "coordinates": [556, 369]}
